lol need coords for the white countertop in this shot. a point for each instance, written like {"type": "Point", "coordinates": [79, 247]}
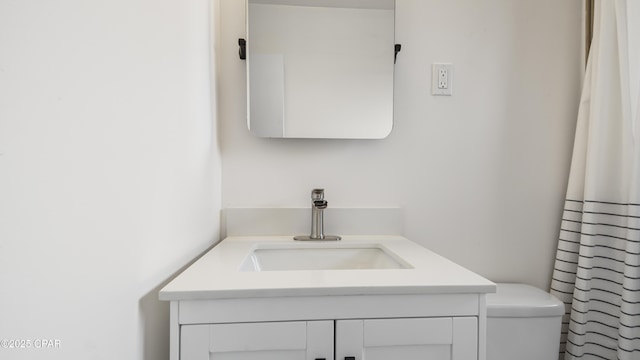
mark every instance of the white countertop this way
{"type": "Point", "coordinates": [218, 274]}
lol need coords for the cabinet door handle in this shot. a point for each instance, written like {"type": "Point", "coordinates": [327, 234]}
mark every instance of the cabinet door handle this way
{"type": "Point", "coordinates": [321, 358]}
{"type": "Point", "coordinates": [349, 358]}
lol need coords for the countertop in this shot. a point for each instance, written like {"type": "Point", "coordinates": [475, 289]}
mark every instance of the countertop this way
{"type": "Point", "coordinates": [218, 274]}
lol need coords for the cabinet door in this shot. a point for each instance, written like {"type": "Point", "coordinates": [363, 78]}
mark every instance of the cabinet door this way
{"type": "Point", "coordinates": [300, 340]}
{"type": "Point", "coordinates": [407, 339]}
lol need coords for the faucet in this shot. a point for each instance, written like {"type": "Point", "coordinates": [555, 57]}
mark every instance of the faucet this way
{"type": "Point", "coordinates": [318, 204]}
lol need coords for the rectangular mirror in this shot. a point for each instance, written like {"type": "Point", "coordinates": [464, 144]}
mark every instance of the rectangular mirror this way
{"type": "Point", "coordinates": [320, 68]}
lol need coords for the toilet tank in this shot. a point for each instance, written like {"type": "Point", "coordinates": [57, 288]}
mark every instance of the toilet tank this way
{"type": "Point", "coordinates": [523, 323]}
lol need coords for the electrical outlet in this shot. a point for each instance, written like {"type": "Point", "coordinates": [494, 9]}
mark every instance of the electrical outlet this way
{"type": "Point", "coordinates": [442, 79]}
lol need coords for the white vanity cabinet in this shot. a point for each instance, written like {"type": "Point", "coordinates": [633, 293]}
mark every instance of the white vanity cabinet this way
{"type": "Point", "coordinates": [292, 340]}
{"type": "Point", "coordinates": [442, 338]}
{"type": "Point", "coordinates": [223, 310]}
{"type": "Point", "coordinates": [407, 339]}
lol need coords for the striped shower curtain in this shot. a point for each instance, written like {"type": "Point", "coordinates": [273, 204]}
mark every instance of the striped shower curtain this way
{"type": "Point", "coordinates": [597, 267]}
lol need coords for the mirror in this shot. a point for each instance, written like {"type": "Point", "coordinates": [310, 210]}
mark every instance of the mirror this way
{"type": "Point", "coordinates": [320, 68]}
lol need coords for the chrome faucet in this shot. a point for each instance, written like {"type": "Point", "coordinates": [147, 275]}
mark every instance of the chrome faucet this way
{"type": "Point", "coordinates": [318, 204]}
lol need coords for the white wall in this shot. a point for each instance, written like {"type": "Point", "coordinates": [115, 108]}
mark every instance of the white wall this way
{"type": "Point", "coordinates": [109, 170]}
{"type": "Point", "coordinates": [481, 175]}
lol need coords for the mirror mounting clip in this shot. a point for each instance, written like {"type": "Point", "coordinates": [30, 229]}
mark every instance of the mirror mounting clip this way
{"type": "Point", "coordinates": [398, 47]}
{"type": "Point", "coordinates": [243, 49]}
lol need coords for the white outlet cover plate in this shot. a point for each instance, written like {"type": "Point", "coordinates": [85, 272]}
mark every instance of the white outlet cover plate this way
{"type": "Point", "coordinates": [435, 90]}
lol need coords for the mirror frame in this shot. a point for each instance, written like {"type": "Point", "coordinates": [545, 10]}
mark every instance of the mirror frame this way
{"type": "Point", "coordinates": [277, 93]}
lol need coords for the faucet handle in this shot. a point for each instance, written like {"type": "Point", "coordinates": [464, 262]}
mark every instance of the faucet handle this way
{"type": "Point", "coordinates": [317, 194]}
{"type": "Point", "coordinates": [320, 204]}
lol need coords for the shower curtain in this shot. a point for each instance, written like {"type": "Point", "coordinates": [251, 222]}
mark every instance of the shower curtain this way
{"type": "Point", "coordinates": [597, 267]}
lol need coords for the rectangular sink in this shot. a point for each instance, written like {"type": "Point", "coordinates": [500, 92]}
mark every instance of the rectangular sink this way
{"type": "Point", "coordinates": [289, 258]}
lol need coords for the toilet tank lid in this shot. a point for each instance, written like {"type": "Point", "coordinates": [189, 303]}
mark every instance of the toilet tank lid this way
{"type": "Point", "coordinates": [520, 300]}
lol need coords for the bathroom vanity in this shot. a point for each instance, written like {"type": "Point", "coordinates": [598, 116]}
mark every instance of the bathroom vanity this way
{"type": "Point", "coordinates": [364, 297]}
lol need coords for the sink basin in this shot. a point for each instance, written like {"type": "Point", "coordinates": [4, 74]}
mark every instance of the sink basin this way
{"type": "Point", "coordinates": [322, 258]}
